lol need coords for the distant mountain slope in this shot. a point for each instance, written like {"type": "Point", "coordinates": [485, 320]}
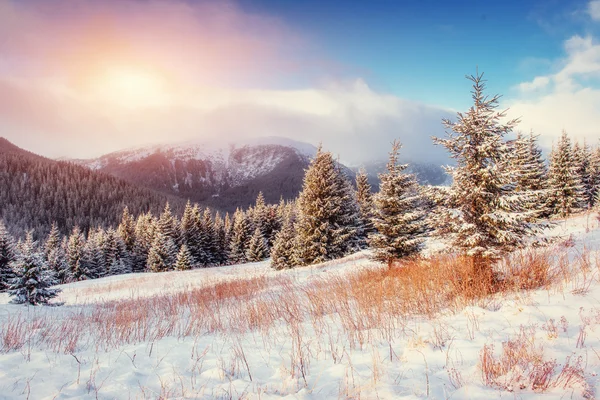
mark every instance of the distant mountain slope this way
{"type": "Point", "coordinates": [35, 191]}
{"type": "Point", "coordinates": [223, 177]}
{"type": "Point", "coordinates": [226, 176]}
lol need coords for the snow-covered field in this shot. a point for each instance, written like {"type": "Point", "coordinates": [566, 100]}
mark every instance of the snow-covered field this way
{"type": "Point", "coordinates": [247, 331]}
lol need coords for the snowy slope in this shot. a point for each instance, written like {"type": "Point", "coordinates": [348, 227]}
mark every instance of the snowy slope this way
{"type": "Point", "coordinates": [306, 358]}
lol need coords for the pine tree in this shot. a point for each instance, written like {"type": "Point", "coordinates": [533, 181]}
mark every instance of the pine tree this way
{"type": "Point", "coordinates": [348, 219]}
{"type": "Point", "coordinates": [53, 240]}
{"type": "Point", "coordinates": [400, 222]}
{"type": "Point", "coordinates": [282, 253]}
{"type": "Point", "coordinates": [32, 282]}
{"type": "Point", "coordinates": [585, 170]}
{"type": "Point", "coordinates": [207, 237]}
{"type": "Point", "coordinates": [93, 263]}
{"type": "Point", "coordinates": [145, 231]}
{"type": "Point", "coordinates": [184, 259]}
{"type": "Point", "coordinates": [190, 231]}
{"type": "Point", "coordinates": [364, 198]}
{"type": "Point", "coordinates": [529, 170]}
{"type": "Point", "coordinates": [257, 248]}
{"type": "Point", "coordinates": [240, 237]}
{"type": "Point", "coordinates": [162, 254]}
{"type": "Point", "coordinates": [55, 255]}
{"type": "Point", "coordinates": [565, 189]}
{"type": "Point", "coordinates": [167, 224]}
{"type": "Point", "coordinates": [75, 254]}
{"type": "Point", "coordinates": [595, 176]}
{"type": "Point", "coordinates": [126, 231]}
{"type": "Point", "coordinates": [221, 244]}
{"type": "Point", "coordinates": [326, 225]}
{"type": "Point", "coordinates": [481, 214]}
{"type": "Point", "coordinates": [7, 256]}
{"type": "Point", "coordinates": [119, 267]}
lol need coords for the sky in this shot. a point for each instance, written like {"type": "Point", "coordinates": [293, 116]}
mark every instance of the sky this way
{"type": "Point", "coordinates": [80, 78]}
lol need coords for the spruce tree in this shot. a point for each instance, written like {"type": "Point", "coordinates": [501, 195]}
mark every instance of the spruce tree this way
{"type": "Point", "coordinates": [184, 259]}
{"type": "Point", "coordinates": [399, 221]}
{"type": "Point", "coordinates": [282, 253]}
{"type": "Point", "coordinates": [55, 255]}
{"type": "Point", "coordinates": [162, 254]}
{"type": "Point", "coordinates": [75, 256]}
{"type": "Point", "coordinates": [595, 176]}
{"type": "Point", "coordinates": [126, 231]}
{"type": "Point", "coordinates": [190, 231]}
{"type": "Point", "coordinates": [7, 256]}
{"type": "Point", "coordinates": [167, 224]}
{"type": "Point", "coordinates": [529, 170]}
{"type": "Point", "coordinates": [93, 263]}
{"type": "Point", "coordinates": [207, 237]}
{"type": "Point", "coordinates": [32, 282]}
{"type": "Point", "coordinates": [481, 214]}
{"type": "Point", "coordinates": [348, 219]}
{"type": "Point", "coordinates": [326, 225]}
{"type": "Point", "coordinates": [364, 198]}
{"type": "Point", "coordinates": [221, 243]}
{"type": "Point", "coordinates": [240, 237]}
{"type": "Point", "coordinates": [53, 240]}
{"type": "Point", "coordinates": [585, 170]}
{"type": "Point", "coordinates": [145, 231]}
{"type": "Point", "coordinates": [565, 195]}
{"type": "Point", "coordinates": [257, 247]}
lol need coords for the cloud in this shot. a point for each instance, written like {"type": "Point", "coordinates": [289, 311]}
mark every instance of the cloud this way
{"type": "Point", "coordinates": [594, 10]}
{"type": "Point", "coordinates": [568, 99]}
{"type": "Point", "coordinates": [81, 78]}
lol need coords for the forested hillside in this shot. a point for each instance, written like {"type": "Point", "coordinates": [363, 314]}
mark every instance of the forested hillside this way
{"type": "Point", "coordinates": [36, 191]}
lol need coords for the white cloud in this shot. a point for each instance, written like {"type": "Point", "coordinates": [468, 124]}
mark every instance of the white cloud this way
{"type": "Point", "coordinates": [594, 9]}
{"type": "Point", "coordinates": [570, 99]}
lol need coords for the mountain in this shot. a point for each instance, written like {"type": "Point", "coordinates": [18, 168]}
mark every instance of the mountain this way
{"type": "Point", "coordinates": [226, 175]}
{"type": "Point", "coordinates": [36, 191]}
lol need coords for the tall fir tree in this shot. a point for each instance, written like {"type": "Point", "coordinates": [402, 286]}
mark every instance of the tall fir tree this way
{"type": "Point", "coordinates": [399, 221]}
{"type": "Point", "coordinates": [33, 280]}
{"type": "Point", "coordinates": [75, 256]}
{"type": "Point", "coordinates": [93, 263]}
{"type": "Point", "coordinates": [240, 237]}
{"type": "Point", "coordinates": [55, 255]}
{"type": "Point", "coordinates": [207, 237]}
{"type": "Point", "coordinates": [585, 170]}
{"type": "Point", "coordinates": [595, 178]}
{"type": "Point", "coordinates": [168, 225]}
{"type": "Point", "coordinates": [565, 195]}
{"type": "Point", "coordinates": [326, 221]}
{"type": "Point", "coordinates": [184, 259]}
{"type": "Point", "coordinates": [481, 214]}
{"type": "Point", "coordinates": [282, 253]}
{"type": "Point", "coordinates": [364, 198]}
{"type": "Point", "coordinates": [348, 219]}
{"type": "Point", "coordinates": [190, 231]}
{"type": "Point", "coordinates": [530, 175]}
{"type": "Point", "coordinates": [126, 231]}
{"type": "Point", "coordinates": [221, 244]}
{"type": "Point", "coordinates": [145, 231]}
{"type": "Point", "coordinates": [7, 256]}
{"type": "Point", "coordinates": [162, 254]}
{"type": "Point", "coordinates": [257, 247]}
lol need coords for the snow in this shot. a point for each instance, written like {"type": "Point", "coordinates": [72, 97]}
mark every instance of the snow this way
{"type": "Point", "coordinates": [431, 358]}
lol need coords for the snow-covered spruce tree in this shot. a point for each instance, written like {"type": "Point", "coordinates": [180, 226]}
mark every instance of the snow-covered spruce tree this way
{"type": "Point", "coordinates": [565, 195]}
{"type": "Point", "coordinates": [189, 230]}
{"type": "Point", "coordinates": [595, 178]}
{"type": "Point", "coordinates": [326, 226]}
{"type": "Point", "coordinates": [32, 282]}
{"type": "Point", "coordinates": [75, 256]}
{"type": "Point", "coordinates": [481, 215]}
{"type": "Point", "coordinates": [145, 231]}
{"type": "Point", "coordinates": [220, 240]}
{"type": "Point", "coordinates": [398, 218]}
{"type": "Point", "coordinates": [162, 254]}
{"type": "Point", "coordinates": [240, 237]}
{"type": "Point", "coordinates": [207, 235]}
{"type": "Point", "coordinates": [585, 171]}
{"type": "Point", "coordinates": [257, 248]}
{"type": "Point", "coordinates": [168, 225]}
{"type": "Point", "coordinates": [348, 220]}
{"type": "Point", "coordinates": [126, 231]}
{"type": "Point", "coordinates": [364, 198]}
{"type": "Point", "coordinates": [7, 255]}
{"type": "Point", "coordinates": [55, 255]}
{"type": "Point", "coordinates": [529, 168]}
{"type": "Point", "coordinates": [282, 253]}
{"type": "Point", "coordinates": [93, 263]}
{"type": "Point", "coordinates": [184, 259]}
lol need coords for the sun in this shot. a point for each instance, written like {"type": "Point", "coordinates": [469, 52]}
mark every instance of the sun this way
{"type": "Point", "coordinates": [129, 87]}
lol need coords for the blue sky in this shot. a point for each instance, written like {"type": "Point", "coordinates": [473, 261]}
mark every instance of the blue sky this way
{"type": "Point", "coordinates": [422, 49]}
{"type": "Point", "coordinates": [80, 78]}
